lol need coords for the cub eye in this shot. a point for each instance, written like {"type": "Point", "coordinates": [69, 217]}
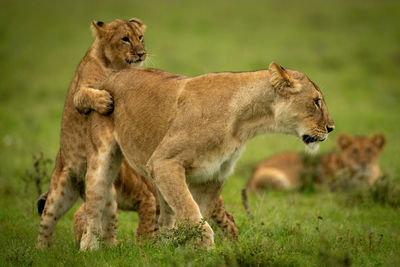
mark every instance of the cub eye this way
{"type": "Point", "coordinates": [125, 39]}
{"type": "Point", "coordinates": [355, 151]}
{"type": "Point", "coordinates": [140, 37]}
{"type": "Point", "coordinates": [317, 102]}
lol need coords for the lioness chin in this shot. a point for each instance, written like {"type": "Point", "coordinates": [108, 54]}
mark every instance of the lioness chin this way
{"type": "Point", "coordinates": [187, 133]}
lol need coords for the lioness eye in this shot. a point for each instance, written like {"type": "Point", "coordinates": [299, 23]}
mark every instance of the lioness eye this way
{"type": "Point", "coordinates": [140, 37]}
{"type": "Point", "coordinates": [125, 39]}
{"type": "Point", "coordinates": [317, 102]}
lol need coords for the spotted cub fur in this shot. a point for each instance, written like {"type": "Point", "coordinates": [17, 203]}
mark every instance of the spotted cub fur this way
{"type": "Point", "coordinates": [118, 45]}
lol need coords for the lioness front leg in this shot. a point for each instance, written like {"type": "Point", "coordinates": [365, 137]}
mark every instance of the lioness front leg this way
{"type": "Point", "coordinates": [169, 177]}
{"type": "Point", "coordinates": [87, 99]}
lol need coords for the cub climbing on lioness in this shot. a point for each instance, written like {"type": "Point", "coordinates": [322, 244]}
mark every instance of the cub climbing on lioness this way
{"type": "Point", "coordinates": [118, 45]}
{"type": "Point", "coordinates": [358, 158]}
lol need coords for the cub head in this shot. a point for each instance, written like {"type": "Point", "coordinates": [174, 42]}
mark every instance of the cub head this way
{"type": "Point", "coordinates": [360, 155]}
{"type": "Point", "coordinates": [300, 108]}
{"type": "Point", "coordinates": [121, 42]}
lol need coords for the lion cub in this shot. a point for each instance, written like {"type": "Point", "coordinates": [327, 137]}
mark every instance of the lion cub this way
{"type": "Point", "coordinates": [118, 45]}
{"type": "Point", "coordinates": [358, 158]}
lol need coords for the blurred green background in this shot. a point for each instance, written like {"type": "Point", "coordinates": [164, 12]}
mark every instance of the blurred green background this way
{"type": "Point", "coordinates": [351, 49]}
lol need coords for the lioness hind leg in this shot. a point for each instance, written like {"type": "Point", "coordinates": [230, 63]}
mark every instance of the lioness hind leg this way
{"type": "Point", "coordinates": [225, 220]}
{"type": "Point", "coordinates": [62, 195]}
{"type": "Point", "coordinates": [169, 177]}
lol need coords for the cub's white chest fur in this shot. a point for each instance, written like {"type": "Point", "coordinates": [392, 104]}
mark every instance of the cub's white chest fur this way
{"type": "Point", "coordinates": [215, 168]}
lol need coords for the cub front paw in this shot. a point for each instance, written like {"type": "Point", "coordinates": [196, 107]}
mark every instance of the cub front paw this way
{"type": "Point", "coordinates": [89, 241]}
{"type": "Point", "coordinates": [103, 102]}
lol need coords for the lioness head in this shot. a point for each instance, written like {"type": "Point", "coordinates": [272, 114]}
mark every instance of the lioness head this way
{"type": "Point", "coordinates": [300, 107]}
{"type": "Point", "coordinates": [360, 155]}
{"type": "Point", "coordinates": [121, 42]}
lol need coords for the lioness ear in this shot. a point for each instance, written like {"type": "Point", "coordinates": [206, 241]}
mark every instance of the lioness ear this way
{"type": "Point", "coordinates": [344, 141]}
{"type": "Point", "coordinates": [281, 80]}
{"type": "Point", "coordinates": [379, 140]}
{"type": "Point", "coordinates": [138, 22]}
{"type": "Point", "coordinates": [98, 28]}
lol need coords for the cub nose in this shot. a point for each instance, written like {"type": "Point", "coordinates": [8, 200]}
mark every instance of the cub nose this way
{"type": "Point", "coordinates": [330, 128]}
{"type": "Point", "coordinates": [140, 54]}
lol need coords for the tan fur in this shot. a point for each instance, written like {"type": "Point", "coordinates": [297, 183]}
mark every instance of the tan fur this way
{"type": "Point", "coordinates": [187, 133]}
{"type": "Point", "coordinates": [358, 157]}
{"type": "Point", "coordinates": [107, 54]}
{"type": "Point", "coordinates": [136, 193]}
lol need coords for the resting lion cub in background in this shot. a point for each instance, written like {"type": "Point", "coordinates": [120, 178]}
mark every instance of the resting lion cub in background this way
{"type": "Point", "coordinates": [118, 45]}
{"type": "Point", "coordinates": [187, 133]}
{"type": "Point", "coordinates": [358, 158]}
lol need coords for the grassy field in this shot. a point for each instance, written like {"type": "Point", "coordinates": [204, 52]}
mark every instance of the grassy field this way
{"type": "Point", "coordinates": [351, 49]}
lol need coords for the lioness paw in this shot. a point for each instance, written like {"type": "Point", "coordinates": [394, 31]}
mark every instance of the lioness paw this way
{"type": "Point", "coordinates": [103, 102]}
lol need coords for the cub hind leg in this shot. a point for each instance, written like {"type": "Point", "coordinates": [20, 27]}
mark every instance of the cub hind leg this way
{"type": "Point", "coordinates": [61, 197]}
{"type": "Point", "coordinates": [224, 220]}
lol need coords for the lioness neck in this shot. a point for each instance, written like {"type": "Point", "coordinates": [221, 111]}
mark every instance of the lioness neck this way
{"type": "Point", "coordinates": [254, 105]}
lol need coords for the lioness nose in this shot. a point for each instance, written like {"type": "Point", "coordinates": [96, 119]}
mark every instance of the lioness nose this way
{"type": "Point", "coordinates": [330, 128]}
{"type": "Point", "coordinates": [140, 54]}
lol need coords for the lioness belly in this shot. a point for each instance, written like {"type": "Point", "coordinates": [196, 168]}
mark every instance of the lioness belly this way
{"type": "Point", "coordinates": [215, 168]}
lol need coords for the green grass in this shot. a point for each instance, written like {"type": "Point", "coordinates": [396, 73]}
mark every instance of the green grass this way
{"type": "Point", "coordinates": [351, 49]}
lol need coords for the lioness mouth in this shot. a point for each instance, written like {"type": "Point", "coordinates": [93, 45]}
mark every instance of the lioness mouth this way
{"type": "Point", "coordinates": [309, 139]}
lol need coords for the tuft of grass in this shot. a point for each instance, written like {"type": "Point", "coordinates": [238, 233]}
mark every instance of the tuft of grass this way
{"type": "Point", "coordinates": [185, 233]}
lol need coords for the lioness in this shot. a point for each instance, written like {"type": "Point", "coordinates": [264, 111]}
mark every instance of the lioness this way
{"type": "Point", "coordinates": [358, 158]}
{"type": "Point", "coordinates": [118, 45]}
{"type": "Point", "coordinates": [187, 133]}
{"type": "Point", "coordinates": [137, 193]}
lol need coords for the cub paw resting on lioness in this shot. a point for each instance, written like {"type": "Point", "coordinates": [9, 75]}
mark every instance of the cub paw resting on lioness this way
{"type": "Point", "coordinates": [187, 133]}
{"type": "Point", "coordinates": [118, 45]}
{"type": "Point", "coordinates": [358, 158]}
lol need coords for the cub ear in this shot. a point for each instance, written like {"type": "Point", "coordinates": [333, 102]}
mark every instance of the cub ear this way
{"type": "Point", "coordinates": [138, 22]}
{"type": "Point", "coordinates": [98, 28]}
{"type": "Point", "coordinates": [379, 140]}
{"type": "Point", "coordinates": [281, 80]}
{"type": "Point", "coordinates": [344, 141]}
